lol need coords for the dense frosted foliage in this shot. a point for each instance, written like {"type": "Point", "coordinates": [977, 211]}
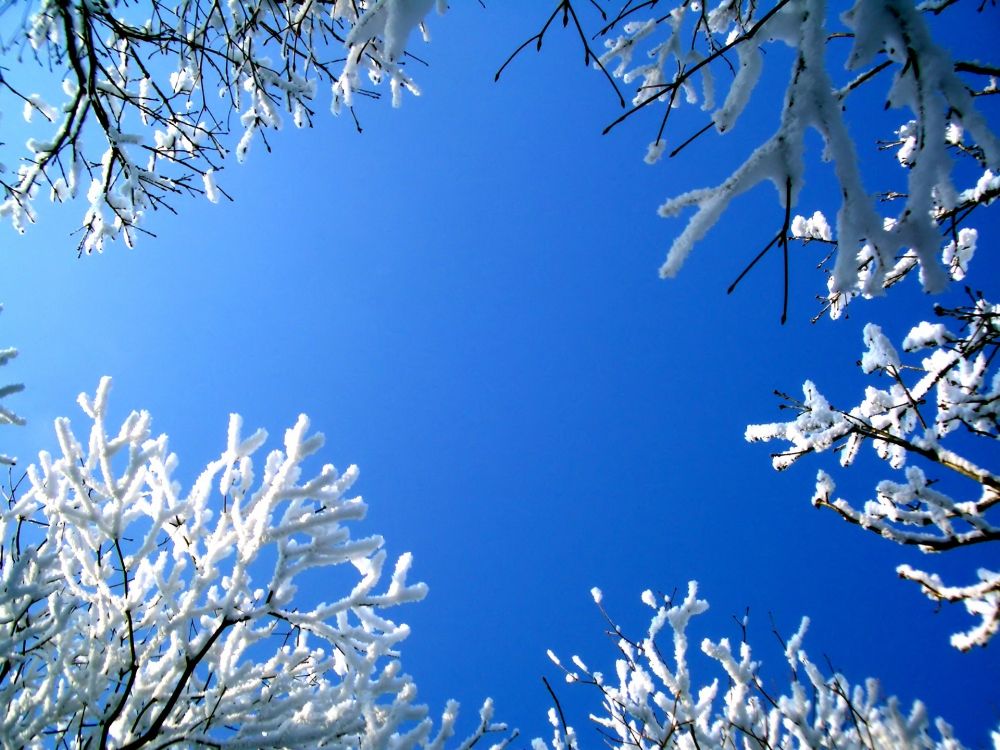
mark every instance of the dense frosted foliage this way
{"type": "Point", "coordinates": [954, 387]}
{"type": "Point", "coordinates": [655, 698]}
{"type": "Point", "coordinates": [154, 97]}
{"type": "Point", "coordinates": [133, 613]}
{"type": "Point", "coordinates": [713, 55]}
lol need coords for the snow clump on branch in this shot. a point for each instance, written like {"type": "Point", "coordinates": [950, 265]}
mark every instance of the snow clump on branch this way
{"type": "Point", "coordinates": [685, 46]}
{"type": "Point", "coordinates": [6, 415]}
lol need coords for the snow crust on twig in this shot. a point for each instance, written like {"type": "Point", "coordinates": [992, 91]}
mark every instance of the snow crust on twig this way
{"type": "Point", "coordinates": [7, 416]}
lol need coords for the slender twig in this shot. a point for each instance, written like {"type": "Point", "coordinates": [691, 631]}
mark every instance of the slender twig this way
{"type": "Point", "coordinates": [559, 710]}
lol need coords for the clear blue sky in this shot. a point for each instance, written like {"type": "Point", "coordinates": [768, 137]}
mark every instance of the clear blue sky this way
{"type": "Point", "coordinates": [464, 299]}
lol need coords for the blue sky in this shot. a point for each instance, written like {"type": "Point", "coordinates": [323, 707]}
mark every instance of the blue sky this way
{"type": "Point", "coordinates": [464, 299]}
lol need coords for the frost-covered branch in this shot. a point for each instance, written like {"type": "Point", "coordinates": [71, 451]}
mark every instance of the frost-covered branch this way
{"type": "Point", "coordinates": [955, 388]}
{"type": "Point", "coordinates": [135, 614]}
{"type": "Point", "coordinates": [6, 415]}
{"type": "Point", "coordinates": [149, 96]}
{"type": "Point", "coordinates": [655, 699]}
{"type": "Point", "coordinates": [713, 54]}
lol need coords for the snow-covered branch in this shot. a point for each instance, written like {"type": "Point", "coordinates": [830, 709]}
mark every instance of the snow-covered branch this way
{"type": "Point", "coordinates": [657, 701]}
{"type": "Point", "coordinates": [148, 98]}
{"type": "Point", "coordinates": [959, 381]}
{"type": "Point", "coordinates": [135, 614]}
{"type": "Point", "coordinates": [686, 54]}
{"type": "Point", "coordinates": [6, 415]}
